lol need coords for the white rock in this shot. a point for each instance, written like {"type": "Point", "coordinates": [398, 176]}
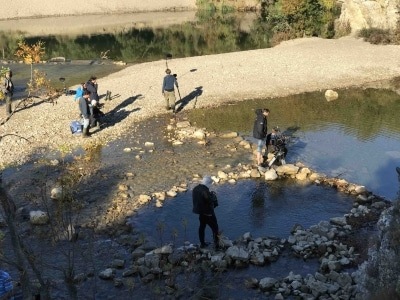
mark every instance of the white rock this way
{"type": "Point", "coordinates": [270, 175]}
{"type": "Point", "coordinates": [331, 95]}
{"type": "Point", "coordinates": [56, 193]}
{"type": "Point", "coordinates": [199, 134]}
{"type": "Point", "coordinates": [222, 175]}
{"type": "Point", "coordinates": [172, 193]}
{"type": "Point", "coordinates": [143, 199]}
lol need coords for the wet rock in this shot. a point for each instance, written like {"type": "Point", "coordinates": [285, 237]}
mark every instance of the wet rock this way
{"type": "Point", "coordinates": [159, 195]}
{"type": "Point", "coordinates": [237, 253]}
{"type": "Point", "coordinates": [270, 175]}
{"type": "Point", "coordinates": [315, 176]}
{"type": "Point", "coordinates": [251, 283]}
{"type": "Point", "coordinates": [340, 221]}
{"type": "Point", "coordinates": [222, 175]}
{"type": "Point", "coordinates": [130, 272]}
{"type": "Point", "coordinates": [167, 249]}
{"type": "Point", "coordinates": [79, 278]}
{"type": "Point", "coordinates": [172, 193]}
{"type": "Point", "coordinates": [288, 169]}
{"type": "Point", "coordinates": [118, 263]}
{"type": "Point", "coordinates": [229, 135]}
{"type": "Point", "coordinates": [137, 253]}
{"type": "Point", "coordinates": [143, 199]}
{"type": "Point", "coordinates": [107, 274]}
{"type": "Point", "coordinates": [267, 283]}
{"type": "Point", "coordinates": [255, 174]}
{"type": "Point", "coordinates": [38, 217]}
{"type": "Point", "coordinates": [56, 193]}
{"type": "Point", "coordinates": [123, 187]}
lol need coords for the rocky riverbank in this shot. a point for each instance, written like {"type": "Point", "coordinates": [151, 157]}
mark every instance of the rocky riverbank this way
{"type": "Point", "coordinates": [330, 241]}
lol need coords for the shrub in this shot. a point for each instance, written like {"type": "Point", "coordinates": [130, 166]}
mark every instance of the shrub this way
{"type": "Point", "coordinates": [376, 35]}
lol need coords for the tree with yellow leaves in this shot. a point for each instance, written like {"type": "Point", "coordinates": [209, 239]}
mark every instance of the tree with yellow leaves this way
{"type": "Point", "coordinates": [32, 54]}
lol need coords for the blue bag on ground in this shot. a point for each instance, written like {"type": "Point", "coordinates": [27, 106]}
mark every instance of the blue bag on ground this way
{"type": "Point", "coordinates": [76, 127]}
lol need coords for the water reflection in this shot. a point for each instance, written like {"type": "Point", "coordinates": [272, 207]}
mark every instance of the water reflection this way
{"type": "Point", "coordinates": [262, 208]}
{"type": "Point", "coordinates": [356, 137]}
{"type": "Point", "coordinates": [135, 38]}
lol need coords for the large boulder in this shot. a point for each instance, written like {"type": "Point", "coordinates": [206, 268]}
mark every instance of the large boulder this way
{"type": "Point", "coordinates": [361, 14]}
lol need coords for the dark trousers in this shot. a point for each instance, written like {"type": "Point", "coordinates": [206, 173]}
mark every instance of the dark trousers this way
{"type": "Point", "coordinates": [210, 221]}
{"type": "Point", "coordinates": [8, 105]}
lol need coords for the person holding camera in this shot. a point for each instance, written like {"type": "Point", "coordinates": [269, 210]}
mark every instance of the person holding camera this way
{"type": "Point", "coordinates": [168, 90]}
{"type": "Point", "coordinates": [8, 89]}
{"type": "Point", "coordinates": [204, 202]}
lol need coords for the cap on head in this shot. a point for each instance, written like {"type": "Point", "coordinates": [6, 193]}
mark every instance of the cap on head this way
{"type": "Point", "coordinates": [168, 71]}
{"type": "Point", "coordinates": [206, 180]}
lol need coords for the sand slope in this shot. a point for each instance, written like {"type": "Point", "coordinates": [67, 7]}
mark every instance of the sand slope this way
{"type": "Point", "coordinates": [40, 8]}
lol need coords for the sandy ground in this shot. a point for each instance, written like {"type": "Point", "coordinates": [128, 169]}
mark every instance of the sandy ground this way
{"type": "Point", "coordinates": [90, 24]}
{"type": "Point", "coordinates": [293, 67]}
{"type": "Point", "coordinates": [42, 8]}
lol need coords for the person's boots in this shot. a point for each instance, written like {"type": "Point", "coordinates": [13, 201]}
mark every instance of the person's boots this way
{"type": "Point", "coordinates": [85, 132]}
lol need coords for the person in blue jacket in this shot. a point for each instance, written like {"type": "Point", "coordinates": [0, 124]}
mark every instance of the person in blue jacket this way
{"type": "Point", "coordinates": [6, 286]}
{"type": "Point", "coordinates": [168, 90]}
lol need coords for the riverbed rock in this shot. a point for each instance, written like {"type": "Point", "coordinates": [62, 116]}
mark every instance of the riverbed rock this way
{"type": "Point", "coordinates": [38, 217]}
{"type": "Point", "coordinates": [143, 199]}
{"type": "Point", "coordinates": [56, 193]}
{"type": "Point", "coordinates": [229, 135]}
{"type": "Point", "coordinates": [199, 134]}
{"type": "Point", "coordinates": [270, 175]}
{"type": "Point", "coordinates": [107, 274]}
{"type": "Point", "coordinates": [237, 253]}
{"type": "Point", "coordinates": [331, 95]}
{"type": "Point", "coordinates": [288, 169]}
{"type": "Point", "coordinates": [267, 283]}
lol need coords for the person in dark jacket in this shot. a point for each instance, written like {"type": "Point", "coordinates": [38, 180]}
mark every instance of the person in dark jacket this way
{"type": "Point", "coordinates": [8, 89]}
{"type": "Point", "coordinates": [260, 131]}
{"type": "Point", "coordinates": [168, 90]}
{"type": "Point", "coordinates": [85, 112]}
{"type": "Point", "coordinates": [95, 112]}
{"type": "Point", "coordinates": [92, 87]}
{"type": "Point", "coordinates": [204, 202]}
